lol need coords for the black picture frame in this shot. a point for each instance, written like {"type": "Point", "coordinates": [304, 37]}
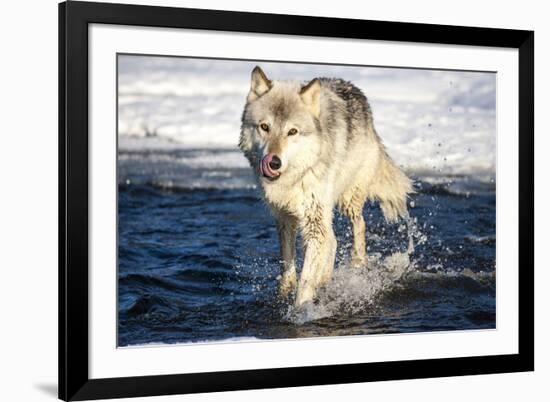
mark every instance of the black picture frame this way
{"type": "Point", "coordinates": [74, 18]}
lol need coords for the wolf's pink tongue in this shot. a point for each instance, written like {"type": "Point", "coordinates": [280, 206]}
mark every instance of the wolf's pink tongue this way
{"type": "Point", "coordinates": [266, 170]}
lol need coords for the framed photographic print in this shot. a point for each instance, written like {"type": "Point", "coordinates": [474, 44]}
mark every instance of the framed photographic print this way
{"type": "Point", "coordinates": [256, 200]}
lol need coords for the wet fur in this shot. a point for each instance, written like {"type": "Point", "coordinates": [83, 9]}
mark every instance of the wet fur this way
{"type": "Point", "coordinates": [336, 160]}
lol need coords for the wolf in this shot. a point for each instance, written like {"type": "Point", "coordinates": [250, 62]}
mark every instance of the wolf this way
{"type": "Point", "coordinates": [313, 148]}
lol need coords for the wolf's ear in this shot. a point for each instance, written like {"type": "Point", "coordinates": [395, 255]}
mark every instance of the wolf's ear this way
{"type": "Point", "coordinates": [259, 84]}
{"type": "Point", "coordinates": [311, 96]}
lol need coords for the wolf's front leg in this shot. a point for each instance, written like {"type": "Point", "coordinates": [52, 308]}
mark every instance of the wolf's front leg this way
{"type": "Point", "coordinates": [286, 226]}
{"type": "Point", "coordinates": [320, 251]}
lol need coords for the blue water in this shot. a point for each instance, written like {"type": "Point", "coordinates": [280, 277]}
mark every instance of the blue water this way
{"type": "Point", "coordinates": [198, 258]}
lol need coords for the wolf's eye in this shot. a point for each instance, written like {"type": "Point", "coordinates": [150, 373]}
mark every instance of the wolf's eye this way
{"type": "Point", "coordinates": [292, 131]}
{"type": "Point", "coordinates": [264, 127]}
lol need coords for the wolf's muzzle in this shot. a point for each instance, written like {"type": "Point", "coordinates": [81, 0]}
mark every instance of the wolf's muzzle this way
{"type": "Point", "coordinates": [269, 166]}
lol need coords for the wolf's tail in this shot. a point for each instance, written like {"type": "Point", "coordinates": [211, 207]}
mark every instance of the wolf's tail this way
{"type": "Point", "coordinates": [391, 188]}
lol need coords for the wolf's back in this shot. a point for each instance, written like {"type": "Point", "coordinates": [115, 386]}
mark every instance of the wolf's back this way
{"type": "Point", "coordinates": [357, 106]}
{"type": "Point", "coordinates": [389, 186]}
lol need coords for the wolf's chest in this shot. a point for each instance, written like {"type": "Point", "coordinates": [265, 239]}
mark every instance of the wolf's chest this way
{"type": "Point", "coordinates": [298, 198]}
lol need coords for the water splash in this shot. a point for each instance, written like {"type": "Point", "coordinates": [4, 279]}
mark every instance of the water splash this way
{"type": "Point", "coordinates": [354, 290]}
{"type": "Point", "coordinates": [414, 233]}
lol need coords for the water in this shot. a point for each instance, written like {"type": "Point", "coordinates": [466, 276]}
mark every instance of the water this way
{"type": "Point", "coordinates": [198, 257]}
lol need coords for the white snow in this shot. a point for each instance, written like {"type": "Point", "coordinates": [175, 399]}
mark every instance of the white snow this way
{"type": "Point", "coordinates": [432, 122]}
{"type": "Point", "coordinates": [238, 339]}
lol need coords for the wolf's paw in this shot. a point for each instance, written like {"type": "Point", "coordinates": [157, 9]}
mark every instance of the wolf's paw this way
{"type": "Point", "coordinates": [305, 294]}
{"type": "Point", "coordinates": [359, 262]}
{"type": "Point", "coordinates": [325, 278]}
{"type": "Point", "coordinates": [287, 283]}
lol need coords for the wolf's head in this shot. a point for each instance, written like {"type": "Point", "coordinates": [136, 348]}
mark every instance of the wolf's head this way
{"type": "Point", "coordinates": [280, 133]}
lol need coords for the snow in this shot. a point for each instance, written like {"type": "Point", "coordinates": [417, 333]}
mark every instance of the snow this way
{"type": "Point", "coordinates": [238, 339]}
{"type": "Point", "coordinates": [432, 122]}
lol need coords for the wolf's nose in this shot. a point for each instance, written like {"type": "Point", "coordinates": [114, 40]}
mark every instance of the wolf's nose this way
{"type": "Point", "coordinates": [275, 163]}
